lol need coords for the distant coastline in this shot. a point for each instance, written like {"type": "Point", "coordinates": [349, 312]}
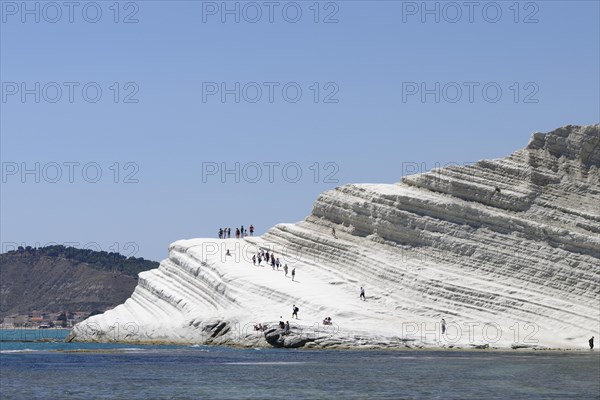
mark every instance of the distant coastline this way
{"type": "Point", "coordinates": [59, 286]}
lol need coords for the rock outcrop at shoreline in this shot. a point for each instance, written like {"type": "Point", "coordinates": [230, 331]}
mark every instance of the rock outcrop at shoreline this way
{"type": "Point", "coordinates": [507, 251]}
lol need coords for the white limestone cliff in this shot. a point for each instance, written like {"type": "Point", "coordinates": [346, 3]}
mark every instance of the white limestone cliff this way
{"type": "Point", "coordinates": [507, 251]}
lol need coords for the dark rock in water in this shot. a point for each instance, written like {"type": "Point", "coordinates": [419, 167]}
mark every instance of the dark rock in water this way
{"type": "Point", "coordinates": [277, 338]}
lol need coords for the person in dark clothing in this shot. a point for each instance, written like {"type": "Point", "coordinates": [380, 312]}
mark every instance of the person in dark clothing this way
{"type": "Point", "coordinates": [251, 230]}
{"type": "Point", "coordinates": [293, 273]}
{"type": "Point", "coordinates": [228, 233]}
{"type": "Point", "coordinates": [220, 233]}
{"type": "Point", "coordinates": [591, 342]}
{"type": "Point", "coordinates": [362, 294]}
{"type": "Point", "coordinates": [237, 233]}
{"type": "Point", "coordinates": [295, 311]}
{"type": "Point", "coordinates": [254, 259]}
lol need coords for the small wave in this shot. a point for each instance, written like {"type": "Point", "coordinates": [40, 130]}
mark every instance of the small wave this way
{"type": "Point", "coordinates": [266, 363]}
{"type": "Point", "coordinates": [17, 351]}
{"type": "Point", "coordinates": [197, 346]}
{"type": "Point", "coordinates": [107, 350]}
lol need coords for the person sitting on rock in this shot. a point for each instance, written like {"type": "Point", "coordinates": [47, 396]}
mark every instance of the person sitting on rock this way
{"type": "Point", "coordinates": [227, 253]}
{"type": "Point", "coordinates": [327, 321]}
{"type": "Point", "coordinates": [281, 325]}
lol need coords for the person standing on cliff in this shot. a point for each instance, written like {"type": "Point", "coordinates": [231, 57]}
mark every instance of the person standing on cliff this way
{"type": "Point", "coordinates": [228, 233]}
{"type": "Point", "coordinates": [293, 273]}
{"type": "Point", "coordinates": [251, 230]}
{"type": "Point", "coordinates": [591, 342]}
{"type": "Point", "coordinates": [285, 269]}
{"type": "Point", "coordinates": [362, 294]}
{"type": "Point", "coordinates": [333, 232]}
{"type": "Point", "coordinates": [443, 326]}
{"type": "Point", "coordinates": [295, 311]}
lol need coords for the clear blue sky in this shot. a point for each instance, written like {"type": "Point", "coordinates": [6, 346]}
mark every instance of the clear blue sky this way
{"type": "Point", "coordinates": [375, 61]}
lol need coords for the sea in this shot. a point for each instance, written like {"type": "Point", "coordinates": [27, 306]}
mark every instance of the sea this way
{"type": "Point", "coordinates": [53, 369]}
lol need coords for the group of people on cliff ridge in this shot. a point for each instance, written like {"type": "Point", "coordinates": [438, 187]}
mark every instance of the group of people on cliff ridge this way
{"type": "Point", "coordinates": [225, 233]}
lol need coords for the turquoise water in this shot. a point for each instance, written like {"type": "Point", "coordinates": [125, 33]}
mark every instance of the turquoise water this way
{"type": "Point", "coordinates": [32, 370]}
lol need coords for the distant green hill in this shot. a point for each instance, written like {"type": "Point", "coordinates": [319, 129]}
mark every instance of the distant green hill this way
{"type": "Point", "coordinates": [59, 278]}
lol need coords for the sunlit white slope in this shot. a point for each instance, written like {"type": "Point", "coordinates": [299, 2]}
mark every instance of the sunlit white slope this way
{"type": "Point", "coordinates": [506, 251]}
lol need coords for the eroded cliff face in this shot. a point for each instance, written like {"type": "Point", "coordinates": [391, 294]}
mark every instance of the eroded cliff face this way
{"type": "Point", "coordinates": [506, 251]}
